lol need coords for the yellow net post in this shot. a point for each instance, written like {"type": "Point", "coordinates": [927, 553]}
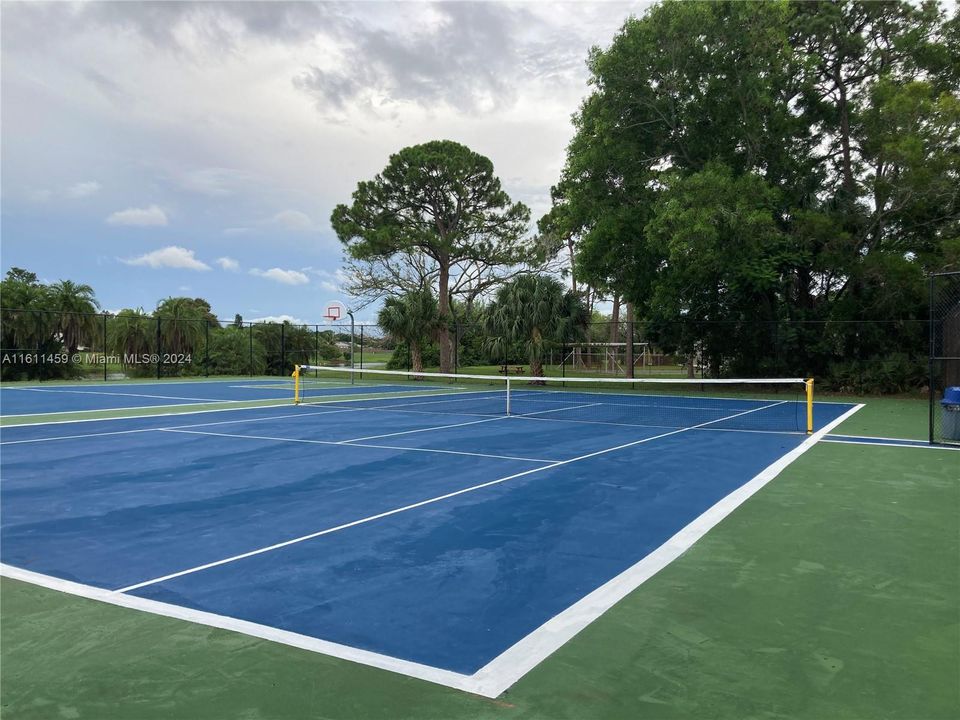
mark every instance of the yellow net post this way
{"type": "Point", "coordinates": [809, 385]}
{"type": "Point", "coordinates": [296, 384]}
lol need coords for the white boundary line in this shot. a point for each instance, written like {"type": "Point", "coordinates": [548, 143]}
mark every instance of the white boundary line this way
{"type": "Point", "coordinates": [124, 409]}
{"type": "Point", "coordinates": [304, 642]}
{"type": "Point", "coordinates": [507, 668]}
{"type": "Point", "coordinates": [123, 394]}
{"type": "Point", "coordinates": [287, 403]}
{"type": "Point", "coordinates": [875, 437]}
{"type": "Point", "coordinates": [917, 446]}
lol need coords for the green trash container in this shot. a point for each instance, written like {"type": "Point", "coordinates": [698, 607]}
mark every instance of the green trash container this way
{"type": "Point", "coordinates": [950, 414]}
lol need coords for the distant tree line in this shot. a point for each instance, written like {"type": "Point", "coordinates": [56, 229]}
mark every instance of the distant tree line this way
{"type": "Point", "coordinates": [44, 327]}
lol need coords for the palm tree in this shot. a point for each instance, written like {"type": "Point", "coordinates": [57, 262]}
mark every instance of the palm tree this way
{"type": "Point", "coordinates": [412, 319]}
{"type": "Point", "coordinates": [77, 308]}
{"type": "Point", "coordinates": [130, 333]}
{"type": "Point", "coordinates": [182, 324]}
{"type": "Point", "coordinates": [536, 311]}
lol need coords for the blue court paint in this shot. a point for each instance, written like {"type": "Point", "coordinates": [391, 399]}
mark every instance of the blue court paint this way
{"type": "Point", "coordinates": [451, 584]}
{"type": "Point", "coordinates": [52, 398]}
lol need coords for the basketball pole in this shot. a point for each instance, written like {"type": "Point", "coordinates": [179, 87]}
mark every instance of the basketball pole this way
{"type": "Point", "coordinates": [352, 366]}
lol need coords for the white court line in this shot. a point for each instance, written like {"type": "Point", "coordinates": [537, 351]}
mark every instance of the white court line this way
{"type": "Point", "coordinates": [198, 403]}
{"type": "Point", "coordinates": [531, 391]}
{"type": "Point", "coordinates": [426, 429]}
{"type": "Point", "coordinates": [122, 394]}
{"type": "Point", "coordinates": [887, 444]}
{"type": "Point", "coordinates": [405, 508]}
{"type": "Point", "coordinates": [152, 383]}
{"type": "Point", "coordinates": [875, 437]}
{"type": "Point", "coordinates": [333, 401]}
{"type": "Point", "coordinates": [508, 667]}
{"type": "Point", "coordinates": [350, 443]}
{"type": "Point", "coordinates": [313, 409]}
{"type": "Point", "coordinates": [529, 416]}
{"type": "Point", "coordinates": [304, 642]}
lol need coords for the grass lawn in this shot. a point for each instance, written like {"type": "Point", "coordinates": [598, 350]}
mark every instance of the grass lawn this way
{"type": "Point", "coordinates": [832, 593]}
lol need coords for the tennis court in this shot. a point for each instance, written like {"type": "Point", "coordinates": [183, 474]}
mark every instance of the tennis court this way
{"type": "Point", "coordinates": [61, 398]}
{"type": "Point", "coordinates": [418, 530]}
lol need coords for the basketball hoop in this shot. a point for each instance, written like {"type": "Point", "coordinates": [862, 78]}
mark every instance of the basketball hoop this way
{"type": "Point", "coordinates": [334, 312]}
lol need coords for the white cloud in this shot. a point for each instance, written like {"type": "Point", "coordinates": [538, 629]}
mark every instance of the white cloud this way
{"type": "Point", "coordinates": [227, 263]}
{"type": "Point", "coordinates": [83, 189]}
{"type": "Point", "coordinates": [214, 182]}
{"type": "Point", "coordinates": [287, 277]}
{"type": "Point", "coordinates": [293, 220]}
{"type": "Point", "coordinates": [152, 215]}
{"type": "Point", "coordinates": [169, 257]}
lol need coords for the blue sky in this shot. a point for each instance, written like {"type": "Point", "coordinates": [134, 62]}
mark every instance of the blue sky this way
{"type": "Point", "coordinates": [156, 149]}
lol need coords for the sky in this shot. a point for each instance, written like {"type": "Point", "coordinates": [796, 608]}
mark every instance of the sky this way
{"type": "Point", "coordinates": [178, 148]}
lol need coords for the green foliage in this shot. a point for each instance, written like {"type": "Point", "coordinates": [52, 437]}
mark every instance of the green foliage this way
{"type": "Point", "coordinates": [742, 167]}
{"type": "Point", "coordinates": [232, 352]}
{"type": "Point", "coordinates": [43, 321]}
{"type": "Point", "coordinates": [132, 334]}
{"type": "Point", "coordinates": [537, 312]}
{"type": "Point", "coordinates": [439, 201]}
{"type": "Point", "coordinates": [413, 320]}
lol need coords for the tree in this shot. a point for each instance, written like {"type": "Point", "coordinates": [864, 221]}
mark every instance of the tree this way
{"type": "Point", "coordinates": [842, 121]}
{"type": "Point", "coordinates": [183, 324]}
{"type": "Point", "coordinates": [412, 319]}
{"type": "Point", "coordinates": [234, 352]}
{"type": "Point", "coordinates": [77, 307]}
{"type": "Point", "coordinates": [441, 201]}
{"type": "Point", "coordinates": [537, 312]}
{"type": "Point", "coordinates": [27, 326]}
{"type": "Point", "coordinates": [130, 334]}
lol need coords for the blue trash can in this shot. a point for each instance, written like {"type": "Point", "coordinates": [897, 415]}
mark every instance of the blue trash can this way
{"type": "Point", "coordinates": [950, 414]}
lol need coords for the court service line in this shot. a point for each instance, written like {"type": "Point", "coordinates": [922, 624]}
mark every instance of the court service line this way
{"type": "Point", "coordinates": [349, 443]}
{"type": "Point", "coordinates": [412, 506]}
{"type": "Point", "coordinates": [123, 394]}
{"type": "Point", "coordinates": [334, 401]}
{"type": "Point", "coordinates": [313, 410]}
{"type": "Point", "coordinates": [420, 430]}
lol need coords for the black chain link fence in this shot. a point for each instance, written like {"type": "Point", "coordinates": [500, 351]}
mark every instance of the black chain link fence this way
{"type": "Point", "coordinates": [855, 357]}
{"type": "Point", "coordinates": [944, 363]}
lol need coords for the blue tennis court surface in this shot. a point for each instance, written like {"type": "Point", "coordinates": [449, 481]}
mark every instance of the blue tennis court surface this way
{"type": "Point", "coordinates": [400, 529]}
{"type": "Point", "coordinates": [56, 398]}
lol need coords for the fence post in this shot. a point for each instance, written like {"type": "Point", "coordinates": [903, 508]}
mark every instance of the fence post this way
{"type": "Point", "coordinates": [283, 348]}
{"type": "Point", "coordinates": [361, 352]}
{"type": "Point", "coordinates": [930, 363]}
{"type": "Point", "coordinates": [36, 331]}
{"type": "Point", "coordinates": [456, 346]}
{"type": "Point", "coordinates": [206, 349]}
{"type": "Point", "coordinates": [158, 347]}
{"type": "Point", "coordinates": [250, 364]}
{"type": "Point", "coordinates": [104, 346]}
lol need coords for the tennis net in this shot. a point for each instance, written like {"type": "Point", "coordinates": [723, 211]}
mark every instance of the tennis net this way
{"type": "Point", "coordinates": [771, 404]}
